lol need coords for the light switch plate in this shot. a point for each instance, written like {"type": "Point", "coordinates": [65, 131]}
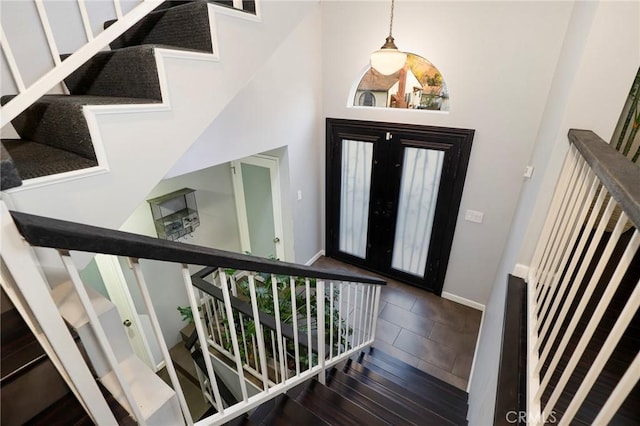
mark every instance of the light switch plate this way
{"type": "Point", "coordinates": [474, 216]}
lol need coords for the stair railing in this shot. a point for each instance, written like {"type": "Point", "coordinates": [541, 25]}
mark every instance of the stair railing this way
{"type": "Point", "coordinates": [291, 321]}
{"type": "Point", "coordinates": [598, 191]}
{"type": "Point", "coordinates": [29, 92]}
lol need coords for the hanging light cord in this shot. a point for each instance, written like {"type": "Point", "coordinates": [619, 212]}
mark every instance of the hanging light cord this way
{"type": "Point", "coordinates": [391, 19]}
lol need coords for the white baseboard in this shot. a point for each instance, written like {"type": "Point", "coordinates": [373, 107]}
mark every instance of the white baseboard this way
{"type": "Point", "coordinates": [463, 301]}
{"type": "Point", "coordinates": [315, 257]}
{"type": "Point", "coordinates": [521, 271]}
{"type": "Point", "coordinates": [475, 354]}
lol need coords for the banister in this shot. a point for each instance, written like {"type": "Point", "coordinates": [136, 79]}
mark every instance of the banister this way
{"type": "Point", "coordinates": [63, 235]}
{"type": "Point", "coordinates": [617, 173]}
{"type": "Point", "coordinates": [245, 308]}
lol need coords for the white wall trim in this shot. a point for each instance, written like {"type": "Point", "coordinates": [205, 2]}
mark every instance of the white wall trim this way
{"type": "Point", "coordinates": [463, 301]}
{"type": "Point", "coordinates": [475, 356]}
{"type": "Point", "coordinates": [315, 257]}
{"type": "Point", "coordinates": [58, 178]}
{"type": "Point", "coordinates": [521, 271]}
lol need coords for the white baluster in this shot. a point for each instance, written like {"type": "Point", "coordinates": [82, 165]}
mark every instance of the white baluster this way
{"type": "Point", "coordinates": [545, 235]}
{"type": "Point", "coordinates": [259, 335]}
{"type": "Point", "coordinates": [331, 320]}
{"type": "Point", "coordinates": [597, 315]}
{"type": "Point", "coordinates": [308, 295]}
{"type": "Point", "coordinates": [585, 297]}
{"type": "Point", "coordinates": [579, 186]}
{"type": "Point", "coordinates": [321, 329]}
{"type": "Point", "coordinates": [118, 8]}
{"type": "Point", "coordinates": [620, 393]}
{"type": "Point", "coordinates": [376, 307]}
{"type": "Point", "coordinates": [100, 334]}
{"type": "Point", "coordinates": [340, 319]}
{"type": "Point", "coordinates": [155, 324]}
{"type": "Point", "coordinates": [11, 62]}
{"type": "Point", "coordinates": [234, 336]}
{"type": "Point", "coordinates": [86, 23]}
{"type": "Point", "coordinates": [276, 307]}
{"type": "Point", "coordinates": [46, 26]}
{"type": "Point", "coordinates": [204, 347]}
{"type": "Point", "coordinates": [294, 315]}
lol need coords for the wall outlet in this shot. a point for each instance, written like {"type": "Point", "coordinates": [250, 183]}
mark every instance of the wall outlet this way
{"type": "Point", "coordinates": [299, 194]}
{"type": "Point", "coordinates": [474, 216]}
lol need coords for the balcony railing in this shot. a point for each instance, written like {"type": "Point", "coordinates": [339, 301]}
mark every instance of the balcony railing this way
{"type": "Point", "coordinates": [279, 323]}
{"type": "Point", "coordinates": [583, 292]}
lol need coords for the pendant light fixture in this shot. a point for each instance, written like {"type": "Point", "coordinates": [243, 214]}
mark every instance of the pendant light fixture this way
{"type": "Point", "coordinates": [388, 59]}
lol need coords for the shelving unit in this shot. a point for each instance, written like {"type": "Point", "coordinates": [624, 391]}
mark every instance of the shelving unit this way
{"type": "Point", "coordinates": [175, 214]}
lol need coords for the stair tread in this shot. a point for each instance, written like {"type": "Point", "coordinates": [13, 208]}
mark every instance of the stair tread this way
{"type": "Point", "coordinates": [20, 360]}
{"type": "Point", "coordinates": [335, 408]}
{"type": "Point", "coordinates": [185, 25]}
{"type": "Point", "coordinates": [9, 175]}
{"type": "Point", "coordinates": [432, 395]}
{"type": "Point", "coordinates": [27, 156]}
{"type": "Point", "coordinates": [242, 420]}
{"type": "Point", "coordinates": [383, 402]}
{"type": "Point", "coordinates": [287, 411]}
{"type": "Point", "coordinates": [69, 411]}
{"type": "Point", "coordinates": [419, 400]}
{"type": "Point", "coordinates": [80, 100]}
{"type": "Point", "coordinates": [380, 357]}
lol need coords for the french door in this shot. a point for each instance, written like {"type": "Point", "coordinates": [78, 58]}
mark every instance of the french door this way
{"type": "Point", "coordinates": [393, 193]}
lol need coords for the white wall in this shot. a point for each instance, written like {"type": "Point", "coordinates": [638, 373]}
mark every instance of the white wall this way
{"type": "Point", "coordinates": [498, 59]}
{"type": "Point", "coordinates": [598, 37]}
{"type": "Point", "coordinates": [216, 208]}
{"type": "Point", "coordinates": [218, 229]}
{"type": "Point", "coordinates": [281, 106]}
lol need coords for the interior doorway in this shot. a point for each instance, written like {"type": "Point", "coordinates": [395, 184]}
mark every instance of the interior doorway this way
{"type": "Point", "coordinates": [393, 194]}
{"type": "Point", "coordinates": [256, 184]}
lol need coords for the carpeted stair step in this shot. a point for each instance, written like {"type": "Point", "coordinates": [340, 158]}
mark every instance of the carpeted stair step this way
{"type": "Point", "coordinates": [384, 398]}
{"type": "Point", "coordinates": [130, 72]}
{"type": "Point", "coordinates": [9, 175]}
{"type": "Point", "coordinates": [185, 26]}
{"type": "Point", "coordinates": [58, 121]}
{"type": "Point", "coordinates": [334, 408]}
{"type": "Point", "coordinates": [29, 157]}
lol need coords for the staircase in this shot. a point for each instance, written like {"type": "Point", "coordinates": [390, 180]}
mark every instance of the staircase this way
{"type": "Point", "coordinates": [55, 136]}
{"type": "Point", "coordinates": [32, 390]}
{"type": "Point", "coordinates": [373, 389]}
{"type": "Point", "coordinates": [147, 99]}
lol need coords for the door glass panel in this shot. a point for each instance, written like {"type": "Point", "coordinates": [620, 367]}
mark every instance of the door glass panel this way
{"type": "Point", "coordinates": [357, 160]}
{"type": "Point", "coordinates": [256, 182]}
{"type": "Point", "coordinates": [418, 195]}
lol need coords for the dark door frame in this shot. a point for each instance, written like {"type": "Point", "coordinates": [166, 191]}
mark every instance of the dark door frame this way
{"type": "Point", "coordinates": [457, 146]}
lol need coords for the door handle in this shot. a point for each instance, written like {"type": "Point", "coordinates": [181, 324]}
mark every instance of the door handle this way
{"type": "Point", "coordinates": [276, 240]}
{"type": "Point", "coordinates": [126, 323]}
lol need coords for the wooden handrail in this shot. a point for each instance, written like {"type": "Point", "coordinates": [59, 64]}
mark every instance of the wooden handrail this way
{"type": "Point", "coordinates": [63, 235]}
{"type": "Point", "coordinates": [617, 173]}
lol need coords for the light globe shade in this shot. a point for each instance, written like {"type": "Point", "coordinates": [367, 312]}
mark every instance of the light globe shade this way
{"type": "Point", "coordinates": [388, 61]}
